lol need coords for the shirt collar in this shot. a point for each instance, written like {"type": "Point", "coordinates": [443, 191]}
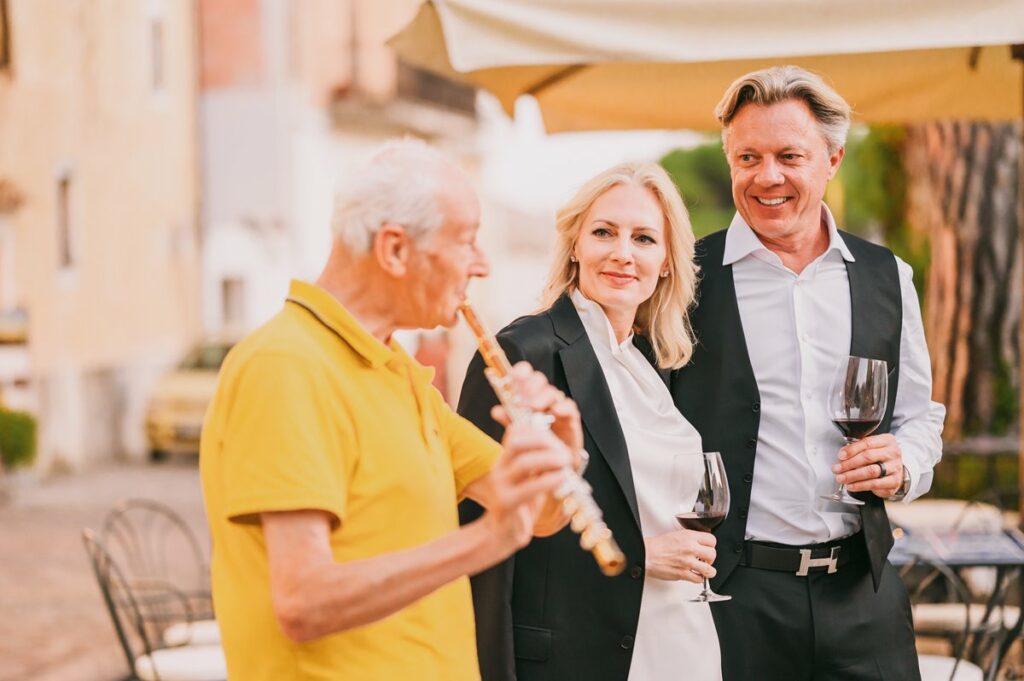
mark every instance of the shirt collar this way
{"type": "Point", "coordinates": [332, 314]}
{"type": "Point", "coordinates": [741, 240]}
{"type": "Point", "coordinates": [596, 323]}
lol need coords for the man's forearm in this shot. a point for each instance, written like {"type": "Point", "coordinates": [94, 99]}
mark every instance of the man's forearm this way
{"type": "Point", "coordinates": [920, 440]}
{"type": "Point", "coordinates": [322, 597]}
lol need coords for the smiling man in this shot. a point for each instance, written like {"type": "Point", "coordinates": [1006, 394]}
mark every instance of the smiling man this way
{"type": "Point", "coordinates": [331, 468]}
{"type": "Point", "coordinates": [784, 298]}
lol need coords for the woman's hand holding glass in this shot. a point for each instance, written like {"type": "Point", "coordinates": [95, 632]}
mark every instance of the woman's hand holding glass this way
{"type": "Point", "coordinates": [681, 555]}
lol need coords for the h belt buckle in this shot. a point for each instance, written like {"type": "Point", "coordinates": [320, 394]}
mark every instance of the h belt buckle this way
{"type": "Point", "coordinates": [806, 562]}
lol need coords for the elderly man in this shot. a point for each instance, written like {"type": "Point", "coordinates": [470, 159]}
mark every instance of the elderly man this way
{"type": "Point", "coordinates": [331, 468]}
{"type": "Point", "coordinates": [784, 298]}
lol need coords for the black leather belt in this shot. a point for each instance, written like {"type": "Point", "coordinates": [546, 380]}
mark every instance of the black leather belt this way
{"type": "Point", "coordinates": [802, 560]}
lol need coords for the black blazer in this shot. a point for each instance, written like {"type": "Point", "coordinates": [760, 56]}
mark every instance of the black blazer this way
{"type": "Point", "coordinates": [547, 613]}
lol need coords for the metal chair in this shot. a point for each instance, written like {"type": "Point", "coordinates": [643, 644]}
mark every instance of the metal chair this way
{"type": "Point", "coordinates": [988, 618]}
{"type": "Point", "coordinates": [959, 626]}
{"type": "Point", "coordinates": [139, 635]}
{"type": "Point", "coordinates": [154, 544]}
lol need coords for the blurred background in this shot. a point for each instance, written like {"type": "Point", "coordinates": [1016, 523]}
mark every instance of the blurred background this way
{"type": "Point", "coordinates": [166, 166]}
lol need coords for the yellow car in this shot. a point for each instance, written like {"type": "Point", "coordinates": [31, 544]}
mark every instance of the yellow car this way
{"type": "Point", "coordinates": [174, 417]}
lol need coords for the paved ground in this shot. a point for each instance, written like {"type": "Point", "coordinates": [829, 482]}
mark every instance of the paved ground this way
{"type": "Point", "coordinates": [53, 625]}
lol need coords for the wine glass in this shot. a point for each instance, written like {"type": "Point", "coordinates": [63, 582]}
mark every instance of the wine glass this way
{"type": "Point", "coordinates": [702, 496]}
{"type": "Point", "coordinates": [856, 405]}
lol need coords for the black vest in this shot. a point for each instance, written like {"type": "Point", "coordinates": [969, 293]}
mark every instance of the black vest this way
{"type": "Point", "coordinates": [718, 393]}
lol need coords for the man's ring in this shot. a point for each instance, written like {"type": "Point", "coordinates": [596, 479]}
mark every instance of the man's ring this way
{"type": "Point", "coordinates": [881, 468]}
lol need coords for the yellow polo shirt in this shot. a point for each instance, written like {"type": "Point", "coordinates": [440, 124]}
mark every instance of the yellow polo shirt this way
{"type": "Point", "coordinates": [313, 412]}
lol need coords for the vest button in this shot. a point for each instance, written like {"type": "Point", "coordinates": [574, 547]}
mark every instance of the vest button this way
{"type": "Point", "coordinates": [626, 643]}
{"type": "Point", "coordinates": [755, 407]}
{"type": "Point", "coordinates": [748, 478]}
{"type": "Point", "coordinates": [743, 514]}
{"type": "Point", "coordinates": [751, 443]}
{"type": "Point", "coordinates": [636, 572]}
{"type": "Point", "coordinates": [738, 547]}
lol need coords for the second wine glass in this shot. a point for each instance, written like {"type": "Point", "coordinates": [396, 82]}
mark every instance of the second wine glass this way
{"type": "Point", "coordinates": [701, 476]}
{"type": "Point", "coordinates": [856, 404]}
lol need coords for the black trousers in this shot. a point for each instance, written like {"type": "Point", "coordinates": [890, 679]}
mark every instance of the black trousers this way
{"type": "Point", "coordinates": [822, 627]}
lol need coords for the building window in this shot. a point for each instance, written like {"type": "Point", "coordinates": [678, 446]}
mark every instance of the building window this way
{"type": "Point", "coordinates": [5, 36]}
{"type": "Point", "coordinates": [232, 294]}
{"type": "Point", "coordinates": [65, 245]}
{"type": "Point", "coordinates": [425, 86]}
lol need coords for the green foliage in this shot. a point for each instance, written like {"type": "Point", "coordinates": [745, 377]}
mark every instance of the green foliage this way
{"type": "Point", "coordinates": [1007, 399]}
{"type": "Point", "coordinates": [874, 182]}
{"type": "Point", "coordinates": [702, 176]}
{"type": "Point", "coordinates": [875, 195]}
{"type": "Point", "coordinates": [968, 475]}
{"type": "Point", "coordinates": [17, 438]}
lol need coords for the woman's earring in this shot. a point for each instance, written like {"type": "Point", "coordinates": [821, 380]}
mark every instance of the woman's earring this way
{"type": "Point", "coordinates": [664, 274]}
{"type": "Point", "coordinates": [572, 258]}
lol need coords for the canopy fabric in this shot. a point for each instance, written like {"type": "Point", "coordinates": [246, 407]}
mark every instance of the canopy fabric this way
{"type": "Point", "coordinates": [616, 64]}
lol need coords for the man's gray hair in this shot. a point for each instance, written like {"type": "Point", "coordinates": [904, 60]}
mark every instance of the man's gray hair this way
{"type": "Point", "coordinates": [781, 83]}
{"type": "Point", "coordinates": [399, 185]}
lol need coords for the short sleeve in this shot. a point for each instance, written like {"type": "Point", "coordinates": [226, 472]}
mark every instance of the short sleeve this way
{"type": "Point", "coordinates": [472, 451]}
{"type": "Point", "coordinates": [284, 446]}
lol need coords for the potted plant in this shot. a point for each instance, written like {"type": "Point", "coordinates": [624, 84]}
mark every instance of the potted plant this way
{"type": "Point", "coordinates": [17, 438]}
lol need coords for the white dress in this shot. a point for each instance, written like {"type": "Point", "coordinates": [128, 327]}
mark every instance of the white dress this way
{"type": "Point", "coordinates": [675, 639]}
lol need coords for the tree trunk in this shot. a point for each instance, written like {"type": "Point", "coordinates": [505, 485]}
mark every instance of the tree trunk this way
{"type": "Point", "coordinates": [963, 191]}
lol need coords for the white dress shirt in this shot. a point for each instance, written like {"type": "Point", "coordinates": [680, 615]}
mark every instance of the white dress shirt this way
{"type": "Point", "coordinates": [675, 638]}
{"type": "Point", "coordinates": [797, 330]}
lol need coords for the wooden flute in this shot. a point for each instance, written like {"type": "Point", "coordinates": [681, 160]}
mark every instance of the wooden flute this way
{"type": "Point", "coordinates": [576, 495]}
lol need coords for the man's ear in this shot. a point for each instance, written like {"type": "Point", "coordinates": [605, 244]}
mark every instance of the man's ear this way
{"type": "Point", "coordinates": [834, 161]}
{"type": "Point", "coordinates": [392, 248]}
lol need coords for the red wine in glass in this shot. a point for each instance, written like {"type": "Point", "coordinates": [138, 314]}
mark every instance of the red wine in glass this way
{"type": "Point", "coordinates": [855, 429]}
{"type": "Point", "coordinates": [856, 404]}
{"type": "Point", "coordinates": [702, 496]}
{"type": "Point", "coordinates": [700, 522]}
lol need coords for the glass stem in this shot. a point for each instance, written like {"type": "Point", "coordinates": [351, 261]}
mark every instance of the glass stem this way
{"type": "Point", "coordinates": [842, 485]}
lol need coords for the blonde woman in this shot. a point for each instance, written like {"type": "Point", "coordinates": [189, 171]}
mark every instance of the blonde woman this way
{"type": "Point", "coordinates": [613, 325]}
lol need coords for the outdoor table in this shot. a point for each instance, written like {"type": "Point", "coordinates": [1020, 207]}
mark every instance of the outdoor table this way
{"type": "Point", "coordinates": [1002, 550]}
{"type": "Point", "coordinates": [945, 514]}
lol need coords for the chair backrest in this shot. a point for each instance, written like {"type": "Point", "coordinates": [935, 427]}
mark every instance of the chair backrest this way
{"type": "Point", "coordinates": [956, 592]}
{"type": "Point", "coordinates": [124, 611]}
{"type": "Point", "coordinates": [153, 543]}
{"type": "Point", "coordinates": [982, 513]}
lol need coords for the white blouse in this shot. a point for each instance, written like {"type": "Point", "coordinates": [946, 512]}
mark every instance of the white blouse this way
{"type": "Point", "coordinates": [675, 639]}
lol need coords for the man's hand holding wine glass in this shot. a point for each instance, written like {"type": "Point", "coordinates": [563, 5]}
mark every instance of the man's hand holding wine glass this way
{"type": "Point", "coordinates": [862, 463]}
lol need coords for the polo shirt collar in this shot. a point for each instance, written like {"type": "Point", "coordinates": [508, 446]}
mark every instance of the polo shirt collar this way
{"type": "Point", "coordinates": [741, 240]}
{"type": "Point", "coordinates": [332, 314]}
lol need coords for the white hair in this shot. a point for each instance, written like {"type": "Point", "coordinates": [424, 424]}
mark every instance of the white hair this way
{"type": "Point", "coordinates": [399, 185]}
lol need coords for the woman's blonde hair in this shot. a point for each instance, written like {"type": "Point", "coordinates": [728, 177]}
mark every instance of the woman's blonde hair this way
{"type": "Point", "coordinates": [664, 317]}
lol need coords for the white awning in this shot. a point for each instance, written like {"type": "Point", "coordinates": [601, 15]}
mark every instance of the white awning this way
{"type": "Point", "coordinates": [617, 64]}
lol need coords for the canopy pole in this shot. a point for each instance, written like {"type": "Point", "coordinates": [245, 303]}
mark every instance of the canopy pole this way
{"type": "Point", "coordinates": [1017, 52]}
{"type": "Point", "coordinates": [554, 79]}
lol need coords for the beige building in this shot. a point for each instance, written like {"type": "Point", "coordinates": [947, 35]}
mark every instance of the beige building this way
{"type": "Point", "coordinates": [99, 256]}
{"type": "Point", "coordinates": [294, 96]}
{"type": "Point", "coordinates": [167, 165]}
